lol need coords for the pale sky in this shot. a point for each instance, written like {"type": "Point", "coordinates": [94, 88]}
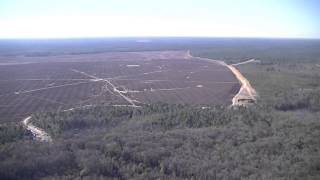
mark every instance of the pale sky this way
{"type": "Point", "coordinates": [127, 18]}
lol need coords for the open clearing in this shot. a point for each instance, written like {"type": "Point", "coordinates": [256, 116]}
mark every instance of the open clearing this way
{"type": "Point", "coordinates": [51, 83]}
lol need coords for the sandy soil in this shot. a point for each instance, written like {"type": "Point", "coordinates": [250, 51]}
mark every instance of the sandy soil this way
{"type": "Point", "coordinates": [37, 132]}
{"type": "Point", "coordinates": [247, 94]}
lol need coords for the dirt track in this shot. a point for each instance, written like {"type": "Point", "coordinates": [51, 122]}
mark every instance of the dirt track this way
{"type": "Point", "coordinates": [245, 62]}
{"type": "Point", "coordinates": [131, 101]}
{"type": "Point", "coordinates": [38, 133]}
{"type": "Point", "coordinates": [247, 94]}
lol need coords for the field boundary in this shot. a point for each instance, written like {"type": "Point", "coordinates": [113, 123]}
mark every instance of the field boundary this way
{"type": "Point", "coordinates": [247, 94]}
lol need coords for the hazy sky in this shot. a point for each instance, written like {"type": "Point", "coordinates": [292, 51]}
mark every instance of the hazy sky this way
{"type": "Point", "coordinates": [216, 18]}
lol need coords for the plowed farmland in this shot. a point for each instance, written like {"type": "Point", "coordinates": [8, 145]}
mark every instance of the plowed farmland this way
{"type": "Point", "coordinates": [52, 83]}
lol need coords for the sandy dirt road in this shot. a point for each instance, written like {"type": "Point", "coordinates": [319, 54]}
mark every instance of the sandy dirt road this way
{"type": "Point", "coordinates": [37, 132]}
{"type": "Point", "coordinates": [247, 94]}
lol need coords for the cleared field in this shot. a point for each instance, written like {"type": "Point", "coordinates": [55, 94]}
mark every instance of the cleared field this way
{"type": "Point", "coordinates": [33, 84]}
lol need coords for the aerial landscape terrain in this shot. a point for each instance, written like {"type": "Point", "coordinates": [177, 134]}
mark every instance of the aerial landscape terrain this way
{"type": "Point", "coordinates": [165, 108]}
{"type": "Point", "coordinates": [159, 90]}
{"type": "Point", "coordinates": [64, 82]}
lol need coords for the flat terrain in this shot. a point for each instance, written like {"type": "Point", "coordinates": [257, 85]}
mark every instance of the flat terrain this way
{"type": "Point", "coordinates": [49, 83]}
{"type": "Point", "coordinates": [278, 138]}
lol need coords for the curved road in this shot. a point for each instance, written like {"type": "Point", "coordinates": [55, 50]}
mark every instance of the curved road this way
{"type": "Point", "coordinates": [247, 94]}
{"type": "Point", "coordinates": [37, 132]}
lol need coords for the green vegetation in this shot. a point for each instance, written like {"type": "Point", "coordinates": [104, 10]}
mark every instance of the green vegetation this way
{"type": "Point", "coordinates": [168, 141]}
{"type": "Point", "coordinates": [13, 133]}
{"type": "Point", "coordinates": [286, 86]}
{"type": "Point", "coordinates": [278, 138]}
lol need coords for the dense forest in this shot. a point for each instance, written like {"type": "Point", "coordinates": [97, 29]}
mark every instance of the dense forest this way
{"type": "Point", "coordinates": [164, 141]}
{"type": "Point", "coordinates": [276, 138]}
